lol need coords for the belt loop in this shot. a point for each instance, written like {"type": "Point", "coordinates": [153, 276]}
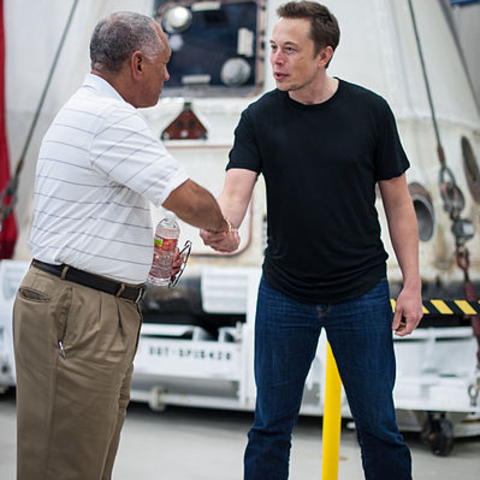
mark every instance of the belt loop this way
{"type": "Point", "coordinates": [141, 293]}
{"type": "Point", "coordinates": [120, 290]}
{"type": "Point", "coordinates": [64, 271]}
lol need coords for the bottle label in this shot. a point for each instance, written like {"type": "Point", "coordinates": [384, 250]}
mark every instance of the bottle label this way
{"type": "Point", "coordinates": [165, 244]}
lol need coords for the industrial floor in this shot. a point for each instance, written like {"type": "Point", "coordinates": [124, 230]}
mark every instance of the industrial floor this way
{"type": "Point", "coordinates": [197, 444]}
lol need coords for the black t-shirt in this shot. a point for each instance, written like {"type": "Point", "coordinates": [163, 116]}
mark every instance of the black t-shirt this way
{"type": "Point", "coordinates": [321, 163]}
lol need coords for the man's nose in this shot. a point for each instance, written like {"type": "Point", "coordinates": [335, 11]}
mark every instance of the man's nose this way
{"type": "Point", "coordinates": [277, 57]}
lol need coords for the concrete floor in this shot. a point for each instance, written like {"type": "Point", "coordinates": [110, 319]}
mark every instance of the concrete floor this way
{"type": "Point", "coordinates": [195, 444]}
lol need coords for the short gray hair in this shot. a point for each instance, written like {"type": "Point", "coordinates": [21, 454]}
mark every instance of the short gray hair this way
{"type": "Point", "coordinates": [117, 36]}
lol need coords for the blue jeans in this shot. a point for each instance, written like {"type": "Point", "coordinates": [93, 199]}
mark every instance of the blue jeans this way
{"type": "Point", "coordinates": [286, 338]}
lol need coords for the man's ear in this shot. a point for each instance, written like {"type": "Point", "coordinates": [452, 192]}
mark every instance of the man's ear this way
{"type": "Point", "coordinates": [136, 64]}
{"type": "Point", "coordinates": [325, 56]}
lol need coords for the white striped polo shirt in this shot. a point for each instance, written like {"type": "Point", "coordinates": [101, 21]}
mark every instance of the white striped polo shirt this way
{"type": "Point", "coordinates": [99, 166]}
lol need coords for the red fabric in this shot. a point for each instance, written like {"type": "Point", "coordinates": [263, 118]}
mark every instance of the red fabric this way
{"type": "Point", "coordinates": [8, 233]}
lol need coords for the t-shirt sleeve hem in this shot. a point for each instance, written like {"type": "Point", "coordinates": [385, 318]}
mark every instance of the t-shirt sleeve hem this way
{"type": "Point", "coordinates": [390, 175]}
{"type": "Point", "coordinates": [244, 167]}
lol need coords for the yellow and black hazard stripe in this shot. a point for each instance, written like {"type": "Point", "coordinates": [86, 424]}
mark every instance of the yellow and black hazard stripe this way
{"type": "Point", "coordinates": [447, 307]}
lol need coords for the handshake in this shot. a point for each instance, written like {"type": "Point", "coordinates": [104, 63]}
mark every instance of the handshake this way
{"type": "Point", "coordinates": [225, 242]}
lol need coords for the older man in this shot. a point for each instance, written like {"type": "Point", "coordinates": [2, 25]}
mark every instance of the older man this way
{"type": "Point", "coordinates": [76, 315]}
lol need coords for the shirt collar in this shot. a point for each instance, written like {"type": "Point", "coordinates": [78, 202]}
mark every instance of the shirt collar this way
{"type": "Point", "coordinates": [101, 86]}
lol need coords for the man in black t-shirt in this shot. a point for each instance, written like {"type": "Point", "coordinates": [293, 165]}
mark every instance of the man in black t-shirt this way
{"type": "Point", "coordinates": [322, 145]}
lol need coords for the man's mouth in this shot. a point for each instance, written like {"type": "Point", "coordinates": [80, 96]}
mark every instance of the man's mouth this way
{"type": "Point", "coordinates": [280, 76]}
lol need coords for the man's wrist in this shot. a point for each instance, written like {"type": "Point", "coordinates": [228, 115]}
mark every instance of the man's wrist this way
{"type": "Point", "coordinates": [223, 230]}
{"type": "Point", "coordinates": [413, 283]}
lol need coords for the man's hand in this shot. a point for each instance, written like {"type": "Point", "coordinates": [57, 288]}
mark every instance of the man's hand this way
{"type": "Point", "coordinates": [221, 242]}
{"type": "Point", "coordinates": [408, 312]}
{"type": "Point", "coordinates": [177, 261]}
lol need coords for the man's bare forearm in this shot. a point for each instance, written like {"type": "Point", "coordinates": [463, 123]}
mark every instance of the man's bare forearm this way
{"type": "Point", "coordinates": [196, 206]}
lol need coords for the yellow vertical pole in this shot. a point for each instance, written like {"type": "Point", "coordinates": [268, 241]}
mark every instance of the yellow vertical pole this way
{"type": "Point", "coordinates": [332, 419]}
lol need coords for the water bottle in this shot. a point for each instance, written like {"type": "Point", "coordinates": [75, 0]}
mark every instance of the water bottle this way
{"type": "Point", "coordinates": [165, 243]}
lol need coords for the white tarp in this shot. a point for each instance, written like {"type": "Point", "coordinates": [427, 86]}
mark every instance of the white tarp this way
{"type": "Point", "coordinates": [33, 30]}
{"type": "Point", "coordinates": [377, 50]}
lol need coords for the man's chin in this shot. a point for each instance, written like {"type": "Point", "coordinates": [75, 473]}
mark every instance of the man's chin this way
{"type": "Point", "coordinates": [282, 86]}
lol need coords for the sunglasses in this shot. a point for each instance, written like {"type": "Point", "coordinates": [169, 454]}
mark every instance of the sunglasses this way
{"type": "Point", "coordinates": [185, 255]}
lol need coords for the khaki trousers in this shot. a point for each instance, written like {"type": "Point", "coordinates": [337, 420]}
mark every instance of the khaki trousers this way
{"type": "Point", "coordinates": [74, 349]}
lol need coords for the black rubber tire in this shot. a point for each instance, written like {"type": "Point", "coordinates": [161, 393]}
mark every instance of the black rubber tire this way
{"type": "Point", "coordinates": [438, 435]}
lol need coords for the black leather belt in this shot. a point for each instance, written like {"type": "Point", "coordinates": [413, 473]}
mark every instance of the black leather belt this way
{"type": "Point", "coordinates": [93, 281]}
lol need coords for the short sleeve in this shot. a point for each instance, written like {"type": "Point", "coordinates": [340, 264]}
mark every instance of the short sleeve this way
{"type": "Point", "coordinates": [390, 158]}
{"type": "Point", "coordinates": [245, 152]}
{"type": "Point", "coordinates": [125, 149]}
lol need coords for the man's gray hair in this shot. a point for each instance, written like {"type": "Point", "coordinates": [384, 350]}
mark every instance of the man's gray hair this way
{"type": "Point", "coordinates": [117, 36]}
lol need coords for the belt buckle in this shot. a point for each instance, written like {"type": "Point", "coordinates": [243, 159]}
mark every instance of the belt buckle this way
{"type": "Point", "coordinates": [141, 294]}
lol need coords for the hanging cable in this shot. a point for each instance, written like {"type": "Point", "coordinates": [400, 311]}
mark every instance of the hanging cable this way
{"type": "Point", "coordinates": [425, 77]}
{"type": "Point", "coordinates": [453, 200]}
{"type": "Point", "coordinates": [12, 186]}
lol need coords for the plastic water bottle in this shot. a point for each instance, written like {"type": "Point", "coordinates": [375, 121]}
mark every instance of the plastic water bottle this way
{"type": "Point", "coordinates": [165, 243]}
